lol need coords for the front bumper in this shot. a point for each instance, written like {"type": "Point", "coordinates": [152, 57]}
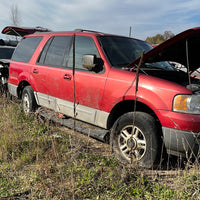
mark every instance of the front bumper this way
{"type": "Point", "coordinates": [180, 121]}
{"type": "Point", "coordinates": [178, 142]}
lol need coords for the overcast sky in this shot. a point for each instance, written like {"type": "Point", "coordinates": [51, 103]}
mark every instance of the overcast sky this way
{"type": "Point", "coordinates": [146, 17]}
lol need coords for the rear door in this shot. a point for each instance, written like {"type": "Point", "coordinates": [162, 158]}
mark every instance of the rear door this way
{"type": "Point", "coordinates": [49, 74]}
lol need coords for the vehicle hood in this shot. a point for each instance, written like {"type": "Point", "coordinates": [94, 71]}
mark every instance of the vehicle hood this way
{"type": "Point", "coordinates": [21, 31]}
{"type": "Point", "coordinates": [175, 50]}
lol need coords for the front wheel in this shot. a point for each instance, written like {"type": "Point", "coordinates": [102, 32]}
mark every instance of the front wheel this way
{"type": "Point", "coordinates": [138, 143]}
{"type": "Point", "coordinates": [28, 100]}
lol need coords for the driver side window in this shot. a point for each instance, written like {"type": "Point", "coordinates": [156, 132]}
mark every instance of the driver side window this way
{"type": "Point", "coordinates": [83, 45]}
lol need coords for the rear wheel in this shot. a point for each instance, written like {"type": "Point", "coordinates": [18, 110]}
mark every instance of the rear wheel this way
{"type": "Point", "coordinates": [136, 144]}
{"type": "Point", "coordinates": [29, 104]}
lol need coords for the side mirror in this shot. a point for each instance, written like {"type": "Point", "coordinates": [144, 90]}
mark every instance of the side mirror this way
{"type": "Point", "coordinates": [89, 62]}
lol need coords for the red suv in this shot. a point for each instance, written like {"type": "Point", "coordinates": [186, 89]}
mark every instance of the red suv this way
{"type": "Point", "coordinates": [98, 79]}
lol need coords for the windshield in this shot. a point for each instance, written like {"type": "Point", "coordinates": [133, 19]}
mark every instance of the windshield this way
{"type": "Point", "coordinates": [121, 51]}
{"type": "Point", "coordinates": [6, 53]}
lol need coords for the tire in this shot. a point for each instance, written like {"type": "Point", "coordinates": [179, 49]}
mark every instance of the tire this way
{"type": "Point", "coordinates": [140, 147]}
{"type": "Point", "coordinates": [29, 104]}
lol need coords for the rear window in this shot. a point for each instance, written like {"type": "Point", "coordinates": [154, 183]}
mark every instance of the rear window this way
{"type": "Point", "coordinates": [26, 48]}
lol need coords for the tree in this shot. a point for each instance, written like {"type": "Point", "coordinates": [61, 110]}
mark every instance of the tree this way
{"type": "Point", "coordinates": [155, 39]}
{"type": "Point", "coordinates": [167, 35]}
{"type": "Point", "coordinates": [159, 38]}
{"type": "Point", "coordinates": [15, 19]}
{"type": "Point", "coordinates": [14, 15]}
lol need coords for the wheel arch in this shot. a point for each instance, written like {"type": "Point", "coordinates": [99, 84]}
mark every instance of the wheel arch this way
{"type": "Point", "coordinates": [128, 106]}
{"type": "Point", "coordinates": [20, 88]}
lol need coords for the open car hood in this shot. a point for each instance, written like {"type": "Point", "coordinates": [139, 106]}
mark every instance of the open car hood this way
{"type": "Point", "coordinates": [175, 50]}
{"type": "Point", "coordinates": [21, 31]}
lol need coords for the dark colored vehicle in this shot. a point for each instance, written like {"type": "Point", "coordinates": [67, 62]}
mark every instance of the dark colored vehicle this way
{"type": "Point", "coordinates": [5, 56]}
{"type": "Point", "coordinates": [6, 52]}
{"type": "Point", "coordinates": [99, 79]}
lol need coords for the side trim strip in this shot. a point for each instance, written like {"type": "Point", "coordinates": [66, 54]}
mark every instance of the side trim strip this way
{"type": "Point", "coordinates": [83, 113]}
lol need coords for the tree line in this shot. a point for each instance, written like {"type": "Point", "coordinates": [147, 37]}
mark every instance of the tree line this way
{"type": "Point", "coordinates": [159, 38]}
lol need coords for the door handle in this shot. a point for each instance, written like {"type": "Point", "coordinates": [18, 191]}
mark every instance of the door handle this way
{"type": "Point", "coordinates": [67, 77]}
{"type": "Point", "coordinates": [35, 71]}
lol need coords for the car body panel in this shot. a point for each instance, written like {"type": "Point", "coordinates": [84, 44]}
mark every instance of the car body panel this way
{"type": "Point", "coordinates": [158, 90]}
{"type": "Point", "coordinates": [179, 121]}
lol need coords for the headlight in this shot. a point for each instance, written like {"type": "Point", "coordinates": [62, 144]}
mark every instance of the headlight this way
{"type": "Point", "coordinates": [187, 104]}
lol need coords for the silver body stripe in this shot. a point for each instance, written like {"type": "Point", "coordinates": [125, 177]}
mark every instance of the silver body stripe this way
{"type": "Point", "coordinates": [84, 113]}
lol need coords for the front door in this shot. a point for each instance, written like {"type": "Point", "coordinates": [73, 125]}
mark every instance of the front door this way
{"type": "Point", "coordinates": [89, 85]}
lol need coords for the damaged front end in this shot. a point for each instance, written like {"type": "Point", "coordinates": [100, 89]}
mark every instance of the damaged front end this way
{"type": "Point", "coordinates": [182, 56]}
{"type": "Point", "coordinates": [177, 60]}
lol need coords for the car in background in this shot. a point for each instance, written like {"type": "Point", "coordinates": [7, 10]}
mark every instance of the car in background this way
{"type": "Point", "coordinates": [7, 48]}
{"type": "Point", "coordinates": [5, 56]}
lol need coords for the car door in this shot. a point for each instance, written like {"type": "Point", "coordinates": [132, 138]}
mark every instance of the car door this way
{"type": "Point", "coordinates": [89, 85]}
{"type": "Point", "coordinates": [50, 71]}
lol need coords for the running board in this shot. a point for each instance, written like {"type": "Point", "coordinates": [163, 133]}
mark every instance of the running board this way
{"type": "Point", "coordinates": [82, 127]}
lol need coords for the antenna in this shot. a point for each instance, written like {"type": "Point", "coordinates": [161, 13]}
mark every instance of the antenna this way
{"type": "Point", "coordinates": [130, 31]}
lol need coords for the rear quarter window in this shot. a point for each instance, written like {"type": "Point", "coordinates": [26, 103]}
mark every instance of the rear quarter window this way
{"type": "Point", "coordinates": [26, 48]}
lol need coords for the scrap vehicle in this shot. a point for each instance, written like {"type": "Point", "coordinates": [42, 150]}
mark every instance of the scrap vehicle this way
{"type": "Point", "coordinates": [7, 48]}
{"type": "Point", "coordinates": [141, 103]}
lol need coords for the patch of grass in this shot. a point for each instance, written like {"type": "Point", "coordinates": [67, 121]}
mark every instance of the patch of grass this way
{"type": "Point", "coordinates": [45, 161]}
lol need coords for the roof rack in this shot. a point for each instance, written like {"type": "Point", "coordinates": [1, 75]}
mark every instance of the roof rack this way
{"type": "Point", "coordinates": [85, 30]}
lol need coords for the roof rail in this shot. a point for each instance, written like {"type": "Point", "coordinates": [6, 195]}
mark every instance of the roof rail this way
{"type": "Point", "coordinates": [85, 30]}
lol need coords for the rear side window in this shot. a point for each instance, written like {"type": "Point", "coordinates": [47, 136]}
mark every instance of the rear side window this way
{"type": "Point", "coordinates": [55, 52]}
{"type": "Point", "coordinates": [26, 48]}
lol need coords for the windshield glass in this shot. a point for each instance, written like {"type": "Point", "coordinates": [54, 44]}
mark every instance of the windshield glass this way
{"type": "Point", "coordinates": [121, 51]}
{"type": "Point", "coordinates": [164, 65]}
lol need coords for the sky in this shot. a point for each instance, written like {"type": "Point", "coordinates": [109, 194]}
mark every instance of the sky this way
{"type": "Point", "coordinates": [145, 17]}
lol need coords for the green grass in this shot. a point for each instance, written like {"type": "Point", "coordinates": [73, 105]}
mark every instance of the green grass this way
{"type": "Point", "coordinates": [52, 162]}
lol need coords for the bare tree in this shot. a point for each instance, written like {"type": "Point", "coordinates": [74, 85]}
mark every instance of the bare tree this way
{"type": "Point", "coordinates": [167, 35]}
{"type": "Point", "coordinates": [14, 15]}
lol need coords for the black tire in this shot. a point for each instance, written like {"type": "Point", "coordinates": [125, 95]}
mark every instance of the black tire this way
{"type": "Point", "coordinates": [29, 104]}
{"type": "Point", "coordinates": [140, 147]}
